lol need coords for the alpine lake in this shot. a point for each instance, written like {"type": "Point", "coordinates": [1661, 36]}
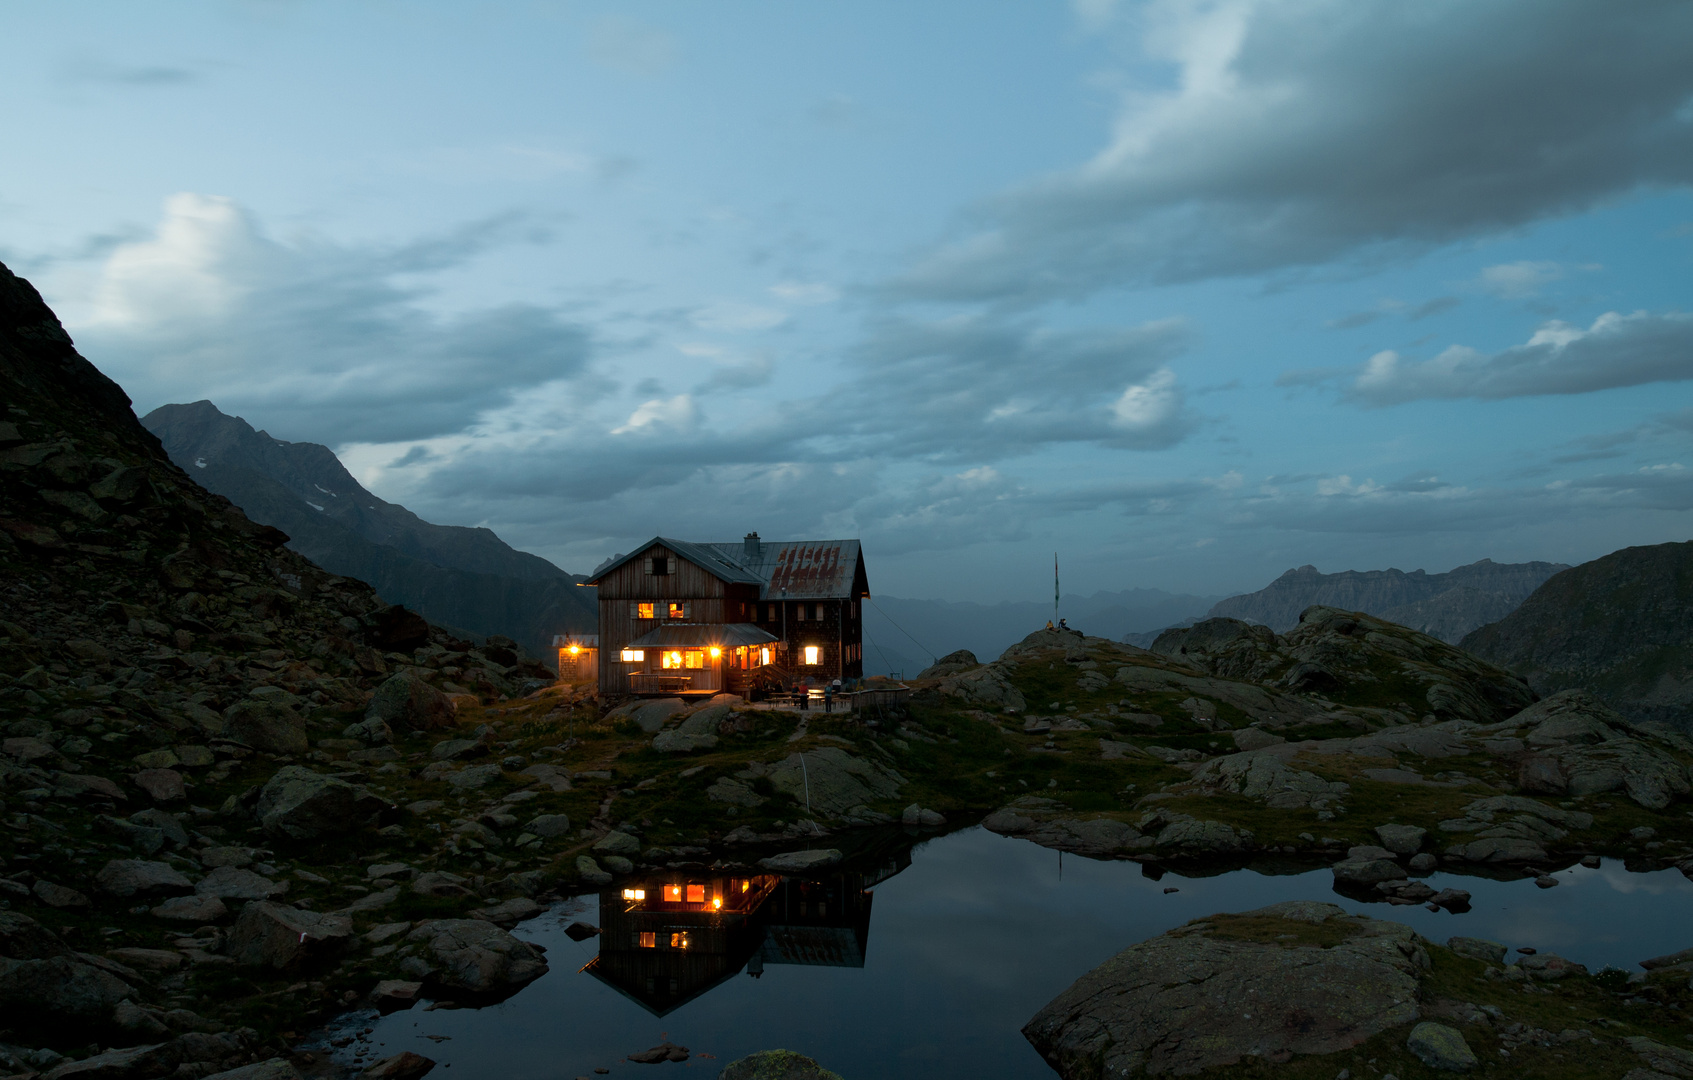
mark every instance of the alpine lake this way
{"type": "Point", "coordinates": [920, 955]}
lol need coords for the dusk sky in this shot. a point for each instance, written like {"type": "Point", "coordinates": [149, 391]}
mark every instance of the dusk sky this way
{"type": "Point", "coordinates": [1190, 293]}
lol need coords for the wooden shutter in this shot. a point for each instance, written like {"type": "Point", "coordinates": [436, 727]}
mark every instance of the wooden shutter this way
{"type": "Point", "coordinates": [647, 565]}
{"type": "Point", "coordinates": [670, 565]}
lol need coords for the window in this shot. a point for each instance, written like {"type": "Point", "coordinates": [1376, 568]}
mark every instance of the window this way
{"type": "Point", "coordinates": [670, 659]}
{"type": "Point", "coordinates": [678, 941]}
{"type": "Point", "coordinates": [661, 565]}
{"type": "Point", "coordinates": [814, 654]}
{"type": "Point", "coordinates": [634, 894]}
{"type": "Point", "coordinates": [696, 894]}
{"type": "Point", "coordinates": [673, 894]}
{"type": "Point", "coordinates": [693, 658]}
{"type": "Point", "coordinates": [632, 656]}
{"type": "Point", "coordinates": [763, 657]}
{"type": "Point", "coordinates": [799, 612]}
{"type": "Point", "coordinates": [649, 941]}
{"type": "Point", "coordinates": [641, 611]}
{"type": "Point", "coordinates": [676, 610]}
{"type": "Point", "coordinates": [819, 612]}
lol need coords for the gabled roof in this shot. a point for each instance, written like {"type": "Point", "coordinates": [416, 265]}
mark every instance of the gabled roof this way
{"type": "Point", "coordinates": [782, 569]}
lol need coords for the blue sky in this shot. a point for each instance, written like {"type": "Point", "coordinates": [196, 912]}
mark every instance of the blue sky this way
{"type": "Point", "coordinates": [1189, 292]}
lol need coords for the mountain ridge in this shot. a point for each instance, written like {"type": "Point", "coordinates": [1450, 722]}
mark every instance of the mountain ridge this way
{"type": "Point", "coordinates": [464, 578]}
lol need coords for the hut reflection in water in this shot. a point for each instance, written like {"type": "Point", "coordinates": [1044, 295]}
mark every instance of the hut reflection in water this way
{"type": "Point", "coordinates": [667, 938]}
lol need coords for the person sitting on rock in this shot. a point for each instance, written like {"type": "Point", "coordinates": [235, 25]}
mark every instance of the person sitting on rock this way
{"type": "Point", "coordinates": [1049, 624]}
{"type": "Point", "coordinates": [1063, 624]}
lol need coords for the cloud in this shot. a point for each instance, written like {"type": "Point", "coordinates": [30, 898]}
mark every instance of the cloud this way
{"type": "Point", "coordinates": [986, 387]}
{"type": "Point", "coordinates": [1520, 280]}
{"type": "Point", "coordinates": [802, 292]}
{"type": "Point", "coordinates": [321, 340]}
{"type": "Point", "coordinates": [1301, 133]}
{"type": "Point", "coordinates": [1430, 308]}
{"type": "Point", "coordinates": [139, 75]}
{"type": "Point", "coordinates": [1616, 350]}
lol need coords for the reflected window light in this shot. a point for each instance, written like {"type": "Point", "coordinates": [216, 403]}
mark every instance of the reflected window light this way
{"type": "Point", "coordinates": [679, 941]}
{"type": "Point", "coordinates": [673, 893]}
{"type": "Point", "coordinates": [649, 941]}
{"type": "Point", "coordinates": [696, 894]}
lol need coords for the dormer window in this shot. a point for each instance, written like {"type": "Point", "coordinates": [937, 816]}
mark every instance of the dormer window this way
{"type": "Point", "coordinates": [661, 565]}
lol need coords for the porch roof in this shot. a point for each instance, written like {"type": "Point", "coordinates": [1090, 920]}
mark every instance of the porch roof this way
{"type": "Point", "coordinates": [683, 635]}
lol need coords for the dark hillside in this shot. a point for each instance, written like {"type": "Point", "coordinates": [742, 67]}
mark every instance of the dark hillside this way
{"type": "Point", "coordinates": [1621, 626]}
{"type": "Point", "coordinates": [461, 577]}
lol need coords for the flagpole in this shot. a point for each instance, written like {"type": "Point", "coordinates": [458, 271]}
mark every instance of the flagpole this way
{"type": "Point", "coordinates": [1055, 585]}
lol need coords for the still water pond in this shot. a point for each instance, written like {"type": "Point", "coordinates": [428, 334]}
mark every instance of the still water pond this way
{"type": "Point", "coordinates": [927, 961]}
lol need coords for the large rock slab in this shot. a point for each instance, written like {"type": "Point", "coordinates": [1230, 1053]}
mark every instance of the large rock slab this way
{"type": "Point", "coordinates": [139, 877]}
{"type": "Point", "coordinates": [1100, 838]}
{"type": "Point", "coordinates": [270, 726]}
{"type": "Point", "coordinates": [1441, 1047]}
{"type": "Point", "coordinates": [799, 862]}
{"type": "Point", "coordinates": [22, 938]}
{"type": "Point", "coordinates": [475, 956]}
{"type": "Point", "coordinates": [232, 883]}
{"type": "Point", "coordinates": [299, 804]}
{"type": "Point", "coordinates": [287, 938]}
{"type": "Point", "coordinates": [1217, 991]}
{"type": "Point", "coordinates": [405, 702]}
{"type": "Point", "coordinates": [835, 781]}
{"type": "Point", "coordinates": [59, 986]}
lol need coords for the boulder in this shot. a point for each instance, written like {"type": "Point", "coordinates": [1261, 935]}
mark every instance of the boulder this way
{"type": "Point", "coordinates": [22, 938]}
{"type": "Point", "coordinates": [728, 790]}
{"type": "Point", "coordinates": [776, 1065]}
{"type": "Point", "coordinates": [161, 785]}
{"type": "Point", "coordinates": [58, 896]}
{"type": "Point", "coordinates": [138, 877]}
{"type": "Point", "coordinates": [270, 1069]}
{"type": "Point", "coordinates": [1477, 949]}
{"type": "Point", "coordinates": [1401, 839]}
{"type": "Point", "coordinates": [917, 815]}
{"type": "Point", "coordinates": [1254, 738]}
{"type": "Point", "coordinates": [125, 1064]}
{"type": "Point", "coordinates": [148, 959]}
{"type": "Point", "coordinates": [1099, 838]}
{"type": "Point", "coordinates": [650, 716]}
{"type": "Point", "coordinates": [1549, 967]}
{"type": "Point", "coordinates": [1367, 871]}
{"type": "Point", "coordinates": [1197, 837]}
{"type": "Point", "coordinates": [299, 804]}
{"type": "Point", "coordinates": [166, 822]}
{"type": "Point", "coordinates": [197, 909]}
{"type": "Point", "coordinates": [1441, 1047]}
{"type": "Point", "coordinates": [373, 731]}
{"type": "Point", "coordinates": [1499, 849]}
{"type": "Point", "coordinates": [270, 726]}
{"type": "Point", "coordinates": [676, 741]}
{"type": "Point", "coordinates": [617, 843]}
{"type": "Point", "coordinates": [589, 871]}
{"type": "Point", "coordinates": [475, 956]}
{"type": "Point", "coordinates": [405, 702]}
{"type": "Point", "coordinates": [800, 862]}
{"type": "Point", "coordinates": [439, 883]}
{"type": "Point", "coordinates": [984, 686]}
{"type": "Point", "coordinates": [60, 986]}
{"type": "Point", "coordinates": [474, 778]}
{"type": "Point", "coordinates": [836, 781]}
{"type": "Point", "coordinates": [950, 664]}
{"type": "Point", "coordinates": [286, 938]}
{"type": "Point", "coordinates": [549, 826]}
{"type": "Point", "coordinates": [402, 1066]}
{"type": "Point", "coordinates": [1293, 978]}
{"type": "Point", "coordinates": [232, 883]}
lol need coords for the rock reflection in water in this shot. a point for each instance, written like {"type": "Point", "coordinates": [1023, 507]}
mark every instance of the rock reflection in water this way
{"type": "Point", "coordinates": [669, 937]}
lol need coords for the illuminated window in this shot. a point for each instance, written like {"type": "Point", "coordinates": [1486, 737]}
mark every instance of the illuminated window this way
{"type": "Point", "coordinates": [673, 893]}
{"type": "Point", "coordinates": [745, 885]}
{"type": "Point", "coordinates": [693, 658]}
{"type": "Point", "coordinates": [696, 894]}
{"type": "Point", "coordinates": [814, 654]}
{"type": "Point", "coordinates": [678, 941]}
{"type": "Point", "coordinates": [678, 610]}
{"type": "Point", "coordinates": [644, 611]}
{"type": "Point", "coordinates": [672, 658]}
{"type": "Point", "coordinates": [649, 941]}
{"type": "Point", "coordinates": [634, 894]}
{"type": "Point", "coordinates": [763, 657]}
{"type": "Point", "coordinates": [632, 656]}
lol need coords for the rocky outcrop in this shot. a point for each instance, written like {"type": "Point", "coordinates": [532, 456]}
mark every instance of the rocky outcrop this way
{"type": "Point", "coordinates": [1446, 606]}
{"type": "Point", "coordinates": [1292, 978]}
{"type": "Point", "coordinates": [473, 956]}
{"type": "Point", "coordinates": [1620, 626]}
{"type": "Point", "coordinates": [289, 939]}
{"type": "Point", "coordinates": [832, 781]}
{"type": "Point", "coordinates": [775, 1065]}
{"type": "Point", "coordinates": [299, 804]}
{"type": "Point", "coordinates": [406, 702]}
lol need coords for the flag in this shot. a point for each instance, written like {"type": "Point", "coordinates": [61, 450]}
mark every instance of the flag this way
{"type": "Point", "coordinates": [1055, 584]}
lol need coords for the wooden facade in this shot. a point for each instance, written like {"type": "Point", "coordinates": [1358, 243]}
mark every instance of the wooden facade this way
{"type": "Point", "coordinates": [677, 617]}
{"type": "Point", "coordinates": [578, 657]}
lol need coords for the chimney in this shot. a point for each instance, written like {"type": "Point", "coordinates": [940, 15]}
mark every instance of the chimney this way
{"type": "Point", "coordinates": [751, 546]}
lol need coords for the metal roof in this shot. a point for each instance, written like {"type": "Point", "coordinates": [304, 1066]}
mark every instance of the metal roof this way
{"type": "Point", "coordinates": [585, 641]}
{"type": "Point", "coordinates": [684, 635]}
{"type": "Point", "coordinates": [782, 569]}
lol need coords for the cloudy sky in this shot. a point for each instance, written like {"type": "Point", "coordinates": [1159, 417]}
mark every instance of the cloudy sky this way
{"type": "Point", "coordinates": [1190, 293]}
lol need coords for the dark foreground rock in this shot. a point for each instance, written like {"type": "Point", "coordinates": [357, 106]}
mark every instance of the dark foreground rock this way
{"type": "Point", "coordinates": [776, 1065]}
{"type": "Point", "coordinates": [1292, 978]}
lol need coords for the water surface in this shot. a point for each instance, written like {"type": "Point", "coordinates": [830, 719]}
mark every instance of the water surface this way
{"type": "Point", "coordinates": [934, 972]}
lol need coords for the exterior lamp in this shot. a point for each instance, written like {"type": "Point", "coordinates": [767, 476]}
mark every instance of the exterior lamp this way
{"type": "Point", "coordinates": [716, 652]}
{"type": "Point", "coordinates": [574, 649]}
{"type": "Point", "coordinates": [717, 904]}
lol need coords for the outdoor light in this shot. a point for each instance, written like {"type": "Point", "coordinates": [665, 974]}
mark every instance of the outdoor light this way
{"type": "Point", "coordinates": [574, 649]}
{"type": "Point", "coordinates": [716, 652]}
{"type": "Point", "coordinates": [717, 904]}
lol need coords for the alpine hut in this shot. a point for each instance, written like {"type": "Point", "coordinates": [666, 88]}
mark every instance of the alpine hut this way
{"type": "Point", "coordinates": [684, 618]}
